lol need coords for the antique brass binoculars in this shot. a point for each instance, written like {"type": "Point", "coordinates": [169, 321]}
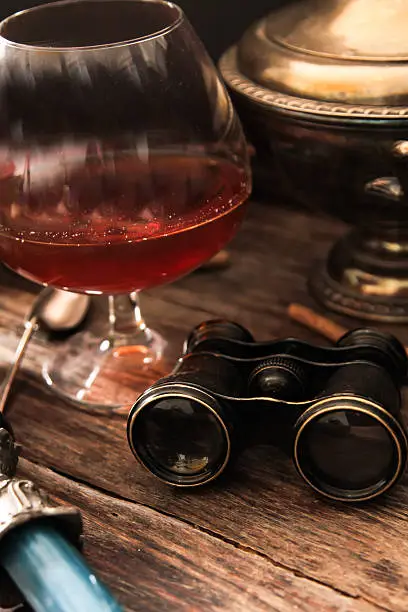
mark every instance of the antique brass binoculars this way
{"type": "Point", "coordinates": [335, 410]}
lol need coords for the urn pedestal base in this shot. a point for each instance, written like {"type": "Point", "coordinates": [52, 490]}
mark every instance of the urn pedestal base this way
{"type": "Point", "coordinates": [366, 275]}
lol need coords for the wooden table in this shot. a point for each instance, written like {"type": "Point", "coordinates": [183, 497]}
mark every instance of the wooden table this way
{"type": "Point", "coordinates": [260, 540]}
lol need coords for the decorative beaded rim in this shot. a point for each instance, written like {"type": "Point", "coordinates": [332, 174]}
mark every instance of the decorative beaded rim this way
{"type": "Point", "coordinates": [293, 104]}
{"type": "Point", "coordinates": [334, 296]}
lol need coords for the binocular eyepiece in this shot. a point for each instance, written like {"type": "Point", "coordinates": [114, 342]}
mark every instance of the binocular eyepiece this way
{"type": "Point", "coordinates": [335, 410]}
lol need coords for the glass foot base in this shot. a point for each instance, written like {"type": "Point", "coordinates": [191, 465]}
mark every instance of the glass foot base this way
{"type": "Point", "coordinates": [106, 375]}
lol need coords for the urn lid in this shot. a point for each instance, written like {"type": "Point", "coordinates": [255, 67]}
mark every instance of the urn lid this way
{"type": "Point", "coordinates": [348, 52]}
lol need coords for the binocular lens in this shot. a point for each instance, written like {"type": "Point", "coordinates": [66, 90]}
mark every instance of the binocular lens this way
{"type": "Point", "coordinates": [180, 439]}
{"type": "Point", "coordinates": [347, 454]}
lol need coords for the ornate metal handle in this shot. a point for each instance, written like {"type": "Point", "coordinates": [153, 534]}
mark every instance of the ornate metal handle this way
{"type": "Point", "coordinates": [393, 188]}
{"type": "Point", "coordinates": [21, 502]}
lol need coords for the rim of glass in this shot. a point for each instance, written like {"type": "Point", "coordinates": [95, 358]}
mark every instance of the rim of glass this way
{"type": "Point", "coordinates": [122, 43]}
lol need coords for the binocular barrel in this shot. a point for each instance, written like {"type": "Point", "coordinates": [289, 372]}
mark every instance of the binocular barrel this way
{"type": "Point", "coordinates": [340, 406]}
{"type": "Point", "coordinates": [350, 445]}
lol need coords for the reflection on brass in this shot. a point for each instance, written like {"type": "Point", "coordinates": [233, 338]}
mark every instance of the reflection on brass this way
{"type": "Point", "coordinates": [333, 50]}
{"type": "Point", "coordinates": [370, 284]}
{"type": "Point", "coordinates": [400, 148]}
{"type": "Point", "coordinates": [322, 88]}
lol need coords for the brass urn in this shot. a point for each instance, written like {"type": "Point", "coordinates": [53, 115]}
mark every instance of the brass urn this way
{"type": "Point", "coordinates": [322, 88]}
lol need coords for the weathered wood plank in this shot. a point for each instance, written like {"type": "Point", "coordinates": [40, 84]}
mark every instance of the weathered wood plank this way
{"type": "Point", "coordinates": [156, 562]}
{"type": "Point", "coordinates": [263, 505]}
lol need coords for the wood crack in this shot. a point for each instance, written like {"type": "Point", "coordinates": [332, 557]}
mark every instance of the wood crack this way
{"type": "Point", "coordinates": [213, 534]}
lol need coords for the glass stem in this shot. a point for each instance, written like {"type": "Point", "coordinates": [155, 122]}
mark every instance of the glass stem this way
{"type": "Point", "coordinates": [125, 316]}
{"type": "Point", "coordinates": [111, 316]}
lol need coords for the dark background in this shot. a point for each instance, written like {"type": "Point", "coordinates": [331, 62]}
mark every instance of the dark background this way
{"type": "Point", "coordinates": [219, 23]}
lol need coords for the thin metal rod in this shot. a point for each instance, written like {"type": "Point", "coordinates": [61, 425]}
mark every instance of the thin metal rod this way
{"type": "Point", "coordinates": [29, 328]}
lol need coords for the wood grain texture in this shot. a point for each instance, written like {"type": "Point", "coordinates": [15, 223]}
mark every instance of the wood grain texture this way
{"type": "Point", "coordinates": [267, 539]}
{"type": "Point", "coordinates": [166, 564]}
